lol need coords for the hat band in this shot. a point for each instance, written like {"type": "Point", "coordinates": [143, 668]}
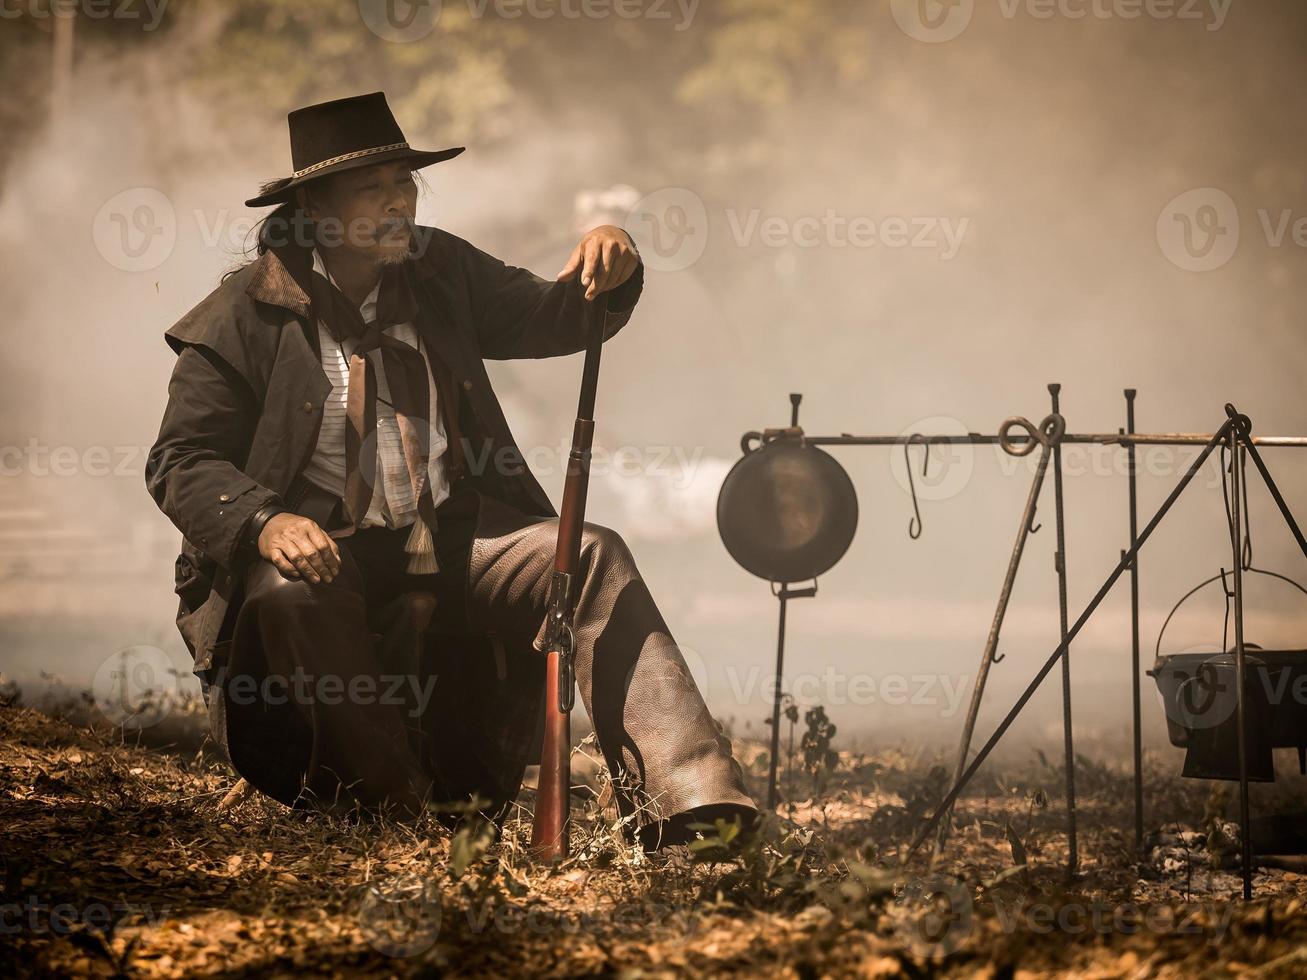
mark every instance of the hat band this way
{"type": "Point", "coordinates": [348, 156]}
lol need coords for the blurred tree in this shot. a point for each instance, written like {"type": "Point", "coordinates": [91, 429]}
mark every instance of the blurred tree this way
{"type": "Point", "coordinates": [285, 53]}
{"type": "Point", "coordinates": [760, 54]}
{"type": "Point", "coordinates": [682, 88]}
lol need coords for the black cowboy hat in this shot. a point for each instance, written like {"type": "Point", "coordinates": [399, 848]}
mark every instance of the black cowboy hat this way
{"type": "Point", "coordinates": [340, 135]}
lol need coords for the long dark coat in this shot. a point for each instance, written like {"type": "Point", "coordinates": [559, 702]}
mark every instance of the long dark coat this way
{"type": "Point", "coordinates": [244, 406]}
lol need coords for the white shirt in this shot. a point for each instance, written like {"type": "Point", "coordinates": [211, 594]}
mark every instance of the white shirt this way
{"type": "Point", "coordinates": [393, 502]}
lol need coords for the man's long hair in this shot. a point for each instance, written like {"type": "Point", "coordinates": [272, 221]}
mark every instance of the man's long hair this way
{"type": "Point", "coordinates": [278, 227]}
{"type": "Point", "coordinates": [285, 224]}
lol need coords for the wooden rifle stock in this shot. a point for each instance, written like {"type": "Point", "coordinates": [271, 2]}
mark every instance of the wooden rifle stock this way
{"type": "Point", "coordinates": [550, 837]}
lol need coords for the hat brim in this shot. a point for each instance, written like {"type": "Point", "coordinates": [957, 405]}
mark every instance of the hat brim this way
{"type": "Point", "coordinates": [418, 158]}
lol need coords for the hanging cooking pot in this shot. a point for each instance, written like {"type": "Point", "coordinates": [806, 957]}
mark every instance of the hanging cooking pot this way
{"type": "Point", "coordinates": [1199, 692]}
{"type": "Point", "coordinates": [787, 510]}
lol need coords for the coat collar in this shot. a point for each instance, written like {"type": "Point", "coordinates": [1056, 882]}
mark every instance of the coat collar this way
{"type": "Point", "coordinates": [272, 283]}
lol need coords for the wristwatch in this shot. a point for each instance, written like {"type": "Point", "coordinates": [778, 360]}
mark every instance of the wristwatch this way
{"type": "Point", "coordinates": [257, 522]}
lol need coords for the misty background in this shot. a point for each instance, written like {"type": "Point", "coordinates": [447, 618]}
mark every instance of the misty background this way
{"type": "Point", "coordinates": [916, 214]}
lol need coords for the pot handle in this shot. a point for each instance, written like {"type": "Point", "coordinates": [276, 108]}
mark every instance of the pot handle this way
{"type": "Point", "coordinates": [1157, 649]}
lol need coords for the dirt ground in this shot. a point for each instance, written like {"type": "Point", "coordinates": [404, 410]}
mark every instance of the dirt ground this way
{"type": "Point", "coordinates": [118, 862]}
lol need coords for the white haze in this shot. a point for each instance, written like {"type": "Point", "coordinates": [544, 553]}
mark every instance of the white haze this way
{"type": "Point", "coordinates": [1059, 142]}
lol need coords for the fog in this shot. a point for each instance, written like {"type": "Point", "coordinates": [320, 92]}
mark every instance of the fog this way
{"type": "Point", "coordinates": [1037, 165]}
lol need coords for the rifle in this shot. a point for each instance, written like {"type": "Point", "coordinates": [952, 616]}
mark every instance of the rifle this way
{"type": "Point", "coordinates": [550, 827]}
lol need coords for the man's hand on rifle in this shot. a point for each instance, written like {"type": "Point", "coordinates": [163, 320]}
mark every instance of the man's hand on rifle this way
{"type": "Point", "coordinates": [299, 548]}
{"type": "Point", "coordinates": [604, 258]}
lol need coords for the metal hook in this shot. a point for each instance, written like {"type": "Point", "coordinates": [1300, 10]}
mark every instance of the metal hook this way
{"type": "Point", "coordinates": [1048, 435]}
{"type": "Point", "coordinates": [997, 657]}
{"type": "Point", "coordinates": [1228, 489]}
{"type": "Point", "coordinates": [914, 524]}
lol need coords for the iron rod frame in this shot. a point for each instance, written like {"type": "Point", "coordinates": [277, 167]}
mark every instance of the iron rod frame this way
{"type": "Point", "coordinates": [1059, 564]}
{"type": "Point", "coordinates": [1050, 429]}
{"type": "Point", "coordinates": [1236, 433]}
{"type": "Point", "coordinates": [952, 795]}
{"type": "Point", "coordinates": [1083, 438]}
{"type": "Point", "coordinates": [1135, 693]}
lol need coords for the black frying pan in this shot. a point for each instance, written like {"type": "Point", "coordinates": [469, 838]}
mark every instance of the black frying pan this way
{"type": "Point", "coordinates": [787, 510]}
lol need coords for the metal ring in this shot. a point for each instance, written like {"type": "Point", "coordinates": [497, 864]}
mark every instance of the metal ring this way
{"type": "Point", "coordinates": [1242, 423]}
{"type": "Point", "coordinates": [1011, 448]}
{"type": "Point", "coordinates": [1053, 428]}
{"type": "Point", "coordinates": [1050, 433]}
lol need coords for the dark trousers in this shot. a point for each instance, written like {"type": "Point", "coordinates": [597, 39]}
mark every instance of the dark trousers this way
{"type": "Point", "coordinates": [365, 628]}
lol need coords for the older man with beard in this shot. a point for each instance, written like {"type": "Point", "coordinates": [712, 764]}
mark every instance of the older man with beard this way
{"type": "Point", "coordinates": [366, 558]}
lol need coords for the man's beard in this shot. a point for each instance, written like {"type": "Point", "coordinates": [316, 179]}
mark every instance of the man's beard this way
{"type": "Point", "coordinates": [391, 252]}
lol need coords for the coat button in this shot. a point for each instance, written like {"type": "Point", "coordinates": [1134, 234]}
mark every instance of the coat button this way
{"type": "Point", "coordinates": [307, 406]}
{"type": "Point", "coordinates": [467, 384]}
{"type": "Point", "coordinates": [224, 497]}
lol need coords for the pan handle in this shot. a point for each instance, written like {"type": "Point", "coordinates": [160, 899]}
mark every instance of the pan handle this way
{"type": "Point", "coordinates": [793, 432]}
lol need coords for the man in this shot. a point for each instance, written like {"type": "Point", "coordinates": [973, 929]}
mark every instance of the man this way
{"type": "Point", "coordinates": [366, 558]}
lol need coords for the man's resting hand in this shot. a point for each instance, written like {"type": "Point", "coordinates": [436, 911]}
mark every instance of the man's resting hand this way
{"type": "Point", "coordinates": [299, 548]}
{"type": "Point", "coordinates": [605, 258]}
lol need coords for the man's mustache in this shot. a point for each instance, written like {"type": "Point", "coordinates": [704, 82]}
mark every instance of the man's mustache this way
{"type": "Point", "coordinates": [390, 226]}
{"type": "Point", "coordinates": [418, 238]}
